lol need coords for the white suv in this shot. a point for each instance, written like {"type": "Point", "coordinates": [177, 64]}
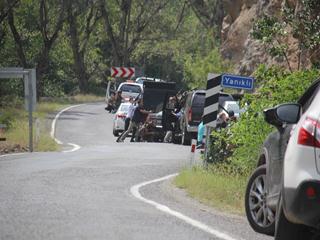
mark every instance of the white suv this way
{"type": "Point", "coordinates": [283, 193]}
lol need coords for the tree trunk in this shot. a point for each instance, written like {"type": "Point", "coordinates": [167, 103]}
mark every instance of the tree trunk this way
{"type": "Point", "coordinates": [41, 70]}
{"type": "Point", "coordinates": [17, 40]}
{"type": "Point", "coordinates": [78, 55]}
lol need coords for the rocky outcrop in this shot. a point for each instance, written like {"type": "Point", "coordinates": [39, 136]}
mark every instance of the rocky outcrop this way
{"type": "Point", "coordinates": [238, 45]}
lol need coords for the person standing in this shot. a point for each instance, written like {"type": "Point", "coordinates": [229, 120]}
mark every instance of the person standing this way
{"type": "Point", "coordinates": [137, 118]}
{"type": "Point", "coordinates": [111, 103]}
{"type": "Point", "coordinates": [118, 99]}
{"type": "Point", "coordinates": [129, 116]}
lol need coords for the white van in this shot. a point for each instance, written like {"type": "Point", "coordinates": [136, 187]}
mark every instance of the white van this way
{"type": "Point", "coordinates": [130, 89]}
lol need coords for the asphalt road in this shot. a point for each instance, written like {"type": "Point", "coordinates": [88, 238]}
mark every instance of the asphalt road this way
{"type": "Point", "coordinates": [89, 193]}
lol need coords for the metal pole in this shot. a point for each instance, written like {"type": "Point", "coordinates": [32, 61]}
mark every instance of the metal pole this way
{"type": "Point", "coordinates": [207, 147]}
{"type": "Point", "coordinates": [30, 112]}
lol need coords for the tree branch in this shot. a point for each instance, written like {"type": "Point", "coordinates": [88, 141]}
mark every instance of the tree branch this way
{"type": "Point", "coordinates": [109, 28]}
{"type": "Point", "coordinates": [17, 38]}
{"type": "Point", "coordinates": [5, 12]}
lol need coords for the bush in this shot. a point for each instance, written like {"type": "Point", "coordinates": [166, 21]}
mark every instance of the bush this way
{"type": "Point", "coordinates": [6, 119]}
{"type": "Point", "coordinates": [240, 145]}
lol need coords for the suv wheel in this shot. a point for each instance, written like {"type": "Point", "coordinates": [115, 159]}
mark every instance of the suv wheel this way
{"type": "Point", "coordinates": [185, 139]}
{"type": "Point", "coordinates": [260, 217]}
{"type": "Point", "coordinates": [115, 133]}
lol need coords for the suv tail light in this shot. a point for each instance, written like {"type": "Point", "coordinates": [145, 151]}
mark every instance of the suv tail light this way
{"type": "Point", "coordinates": [309, 133]}
{"type": "Point", "coordinates": [190, 115]}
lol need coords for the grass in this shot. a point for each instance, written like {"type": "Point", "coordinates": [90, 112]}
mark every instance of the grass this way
{"type": "Point", "coordinates": [216, 189]}
{"type": "Point", "coordinates": [17, 137]}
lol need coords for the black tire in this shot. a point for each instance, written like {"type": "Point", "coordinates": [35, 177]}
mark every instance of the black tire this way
{"type": "Point", "coordinates": [185, 139]}
{"type": "Point", "coordinates": [115, 133]}
{"type": "Point", "coordinates": [260, 217]}
{"type": "Point", "coordinates": [285, 230]}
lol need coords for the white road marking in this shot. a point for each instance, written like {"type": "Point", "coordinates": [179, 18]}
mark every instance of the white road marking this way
{"type": "Point", "coordinates": [135, 192]}
{"type": "Point", "coordinates": [75, 148]}
{"type": "Point", "coordinates": [53, 129]}
{"type": "Point", "coordinates": [13, 154]}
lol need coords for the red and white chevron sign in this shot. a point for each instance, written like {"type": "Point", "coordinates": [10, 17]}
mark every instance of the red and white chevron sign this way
{"type": "Point", "coordinates": [123, 72]}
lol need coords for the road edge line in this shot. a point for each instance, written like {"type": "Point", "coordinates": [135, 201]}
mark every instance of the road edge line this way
{"type": "Point", "coordinates": [195, 223]}
{"type": "Point", "coordinates": [53, 129]}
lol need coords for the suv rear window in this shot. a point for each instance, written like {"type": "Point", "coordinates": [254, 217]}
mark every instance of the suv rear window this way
{"type": "Point", "coordinates": [199, 100]}
{"type": "Point", "coordinates": [130, 88]}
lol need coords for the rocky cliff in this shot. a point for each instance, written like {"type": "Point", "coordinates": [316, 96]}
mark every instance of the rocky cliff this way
{"type": "Point", "coordinates": [239, 46]}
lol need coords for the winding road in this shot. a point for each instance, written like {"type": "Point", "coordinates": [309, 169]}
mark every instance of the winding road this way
{"type": "Point", "coordinates": [99, 189]}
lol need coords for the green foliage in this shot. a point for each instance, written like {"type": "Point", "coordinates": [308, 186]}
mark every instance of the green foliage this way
{"type": "Point", "coordinates": [197, 68]}
{"type": "Point", "coordinates": [241, 143]}
{"type": "Point", "coordinates": [6, 118]}
{"type": "Point", "coordinates": [218, 189]}
{"type": "Point", "coordinates": [301, 22]}
{"type": "Point", "coordinates": [305, 22]}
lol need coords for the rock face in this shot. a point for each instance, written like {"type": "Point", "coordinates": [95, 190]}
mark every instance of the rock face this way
{"type": "Point", "coordinates": [239, 46]}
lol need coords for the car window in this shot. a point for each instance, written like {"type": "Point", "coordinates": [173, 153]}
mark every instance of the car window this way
{"type": "Point", "coordinates": [308, 97]}
{"type": "Point", "coordinates": [224, 97]}
{"type": "Point", "coordinates": [130, 88]}
{"type": "Point", "coordinates": [199, 100]}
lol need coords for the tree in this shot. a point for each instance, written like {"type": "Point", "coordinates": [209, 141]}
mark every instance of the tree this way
{"type": "Point", "coordinates": [50, 19]}
{"type": "Point", "coordinates": [85, 11]}
{"type": "Point", "coordinates": [210, 13]}
{"type": "Point", "coordinates": [5, 7]}
{"type": "Point", "coordinates": [301, 21]}
{"type": "Point", "coordinates": [127, 24]}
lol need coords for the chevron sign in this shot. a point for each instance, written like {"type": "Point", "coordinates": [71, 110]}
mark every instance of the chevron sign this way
{"type": "Point", "coordinates": [123, 72]}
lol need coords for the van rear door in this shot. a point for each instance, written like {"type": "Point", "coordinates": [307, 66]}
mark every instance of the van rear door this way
{"type": "Point", "coordinates": [197, 107]}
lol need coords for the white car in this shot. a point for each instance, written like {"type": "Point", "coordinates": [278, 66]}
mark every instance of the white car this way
{"type": "Point", "coordinates": [299, 203]}
{"type": "Point", "coordinates": [283, 193]}
{"type": "Point", "coordinates": [232, 106]}
{"type": "Point", "coordinates": [130, 89]}
{"type": "Point", "coordinates": [119, 118]}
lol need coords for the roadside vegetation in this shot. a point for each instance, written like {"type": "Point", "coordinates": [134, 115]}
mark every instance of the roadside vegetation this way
{"type": "Point", "coordinates": [15, 117]}
{"type": "Point", "coordinates": [214, 187]}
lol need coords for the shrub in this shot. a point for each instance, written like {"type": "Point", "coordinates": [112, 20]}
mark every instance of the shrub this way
{"type": "Point", "coordinates": [239, 146]}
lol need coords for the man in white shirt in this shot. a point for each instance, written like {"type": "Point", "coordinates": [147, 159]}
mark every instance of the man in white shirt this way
{"type": "Point", "coordinates": [129, 116]}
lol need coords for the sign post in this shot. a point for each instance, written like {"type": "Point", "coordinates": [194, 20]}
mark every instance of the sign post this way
{"type": "Point", "coordinates": [29, 77]}
{"type": "Point", "coordinates": [122, 72]}
{"type": "Point", "coordinates": [211, 107]}
{"type": "Point", "coordinates": [215, 84]}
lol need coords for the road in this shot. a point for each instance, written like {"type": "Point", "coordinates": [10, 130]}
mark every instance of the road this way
{"type": "Point", "coordinates": [92, 191]}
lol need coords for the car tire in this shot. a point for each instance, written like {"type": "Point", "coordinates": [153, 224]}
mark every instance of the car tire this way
{"type": "Point", "coordinates": [260, 217]}
{"type": "Point", "coordinates": [285, 230]}
{"type": "Point", "coordinates": [115, 133]}
{"type": "Point", "coordinates": [185, 138]}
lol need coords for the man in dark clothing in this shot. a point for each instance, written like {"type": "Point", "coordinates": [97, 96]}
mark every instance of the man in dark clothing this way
{"type": "Point", "coordinates": [118, 99]}
{"type": "Point", "coordinates": [137, 118]}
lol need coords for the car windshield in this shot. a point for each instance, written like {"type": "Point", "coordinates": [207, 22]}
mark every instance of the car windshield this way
{"type": "Point", "coordinates": [233, 106]}
{"type": "Point", "coordinates": [124, 107]}
{"type": "Point", "coordinates": [130, 88]}
{"type": "Point", "coordinates": [199, 99]}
